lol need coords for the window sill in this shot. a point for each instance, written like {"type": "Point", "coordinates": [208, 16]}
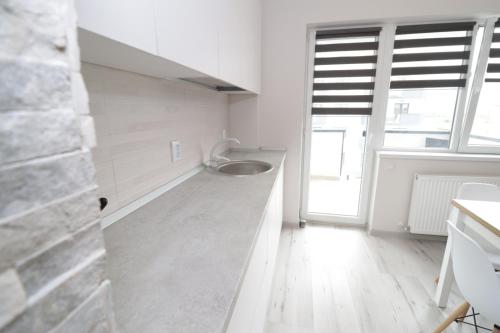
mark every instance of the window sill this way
{"type": "Point", "coordinates": [438, 156]}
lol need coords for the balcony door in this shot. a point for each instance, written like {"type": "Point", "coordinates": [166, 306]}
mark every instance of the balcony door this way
{"type": "Point", "coordinates": [337, 154]}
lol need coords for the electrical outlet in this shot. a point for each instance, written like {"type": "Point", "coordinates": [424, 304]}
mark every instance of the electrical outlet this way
{"type": "Point", "coordinates": [175, 150]}
{"type": "Point", "coordinates": [224, 134]}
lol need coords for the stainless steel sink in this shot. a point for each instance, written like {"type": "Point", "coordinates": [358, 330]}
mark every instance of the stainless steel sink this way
{"type": "Point", "coordinates": [244, 167]}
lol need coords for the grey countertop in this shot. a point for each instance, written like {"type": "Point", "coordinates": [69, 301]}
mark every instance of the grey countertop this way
{"type": "Point", "coordinates": [176, 263]}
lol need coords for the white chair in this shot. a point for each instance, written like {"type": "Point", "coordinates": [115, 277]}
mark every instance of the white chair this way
{"type": "Point", "coordinates": [483, 192]}
{"type": "Point", "coordinates": [476, 278]}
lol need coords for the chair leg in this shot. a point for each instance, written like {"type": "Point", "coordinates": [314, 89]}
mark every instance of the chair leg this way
{"type": "Point", "coordinates": [458, 312]}
{"type": "Point", "coordinates": [464, 313]}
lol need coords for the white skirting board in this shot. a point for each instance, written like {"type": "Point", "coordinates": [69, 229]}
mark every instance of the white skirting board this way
{"type": "Point", "coordinates": [134, 205]}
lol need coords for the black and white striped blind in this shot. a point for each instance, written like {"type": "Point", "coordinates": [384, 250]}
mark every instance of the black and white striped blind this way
{"type": "Point", "coordinates": [493, 69]}
{"type": "Point", "coordinates": [431, 55]}
{"type": "Point", "coordinates": [344, 71]}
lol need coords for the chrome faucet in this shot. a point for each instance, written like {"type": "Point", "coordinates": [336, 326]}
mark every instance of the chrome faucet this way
{"type": "Point", "coordinates": [215, 158]}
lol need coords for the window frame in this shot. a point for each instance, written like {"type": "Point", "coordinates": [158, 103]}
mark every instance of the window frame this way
{"type": "Point", "coordinates": [376, 122]}
{"type": "Point", "coordinates": [460, 105]}
{"type": "Point", "coordinates": [475, 92]}
{"type": "Point", "coordinates": [463, 117]}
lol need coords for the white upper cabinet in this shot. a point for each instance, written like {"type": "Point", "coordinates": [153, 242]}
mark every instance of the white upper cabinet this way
{"type": "Point", "coordinates": [130, 22]}
{"type": "Point", "coordinates": [187, 33]}
{"type": "Point", "coordinates": [239, 43]}
{"type": "Point", "coordinates": [219, 38]}
{"type": "Point", "coordinates": [230, 44]}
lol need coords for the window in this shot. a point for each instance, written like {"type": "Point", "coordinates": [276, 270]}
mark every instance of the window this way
{"type": "Point", "coordinates": [429, 69]}
{"type": "Point", "coordinates": [482, 129]}
{"type": "Point", "coordinates": [412, 87]}
{"type": "Point", "coordinates": [419, 87]}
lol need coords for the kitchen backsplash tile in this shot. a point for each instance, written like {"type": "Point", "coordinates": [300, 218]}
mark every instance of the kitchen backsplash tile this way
{"type": "Point", "coordinates": [136, 117]}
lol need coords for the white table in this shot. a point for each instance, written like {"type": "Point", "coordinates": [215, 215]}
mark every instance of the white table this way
{"type": "Point", "coordinates": [482, 217]}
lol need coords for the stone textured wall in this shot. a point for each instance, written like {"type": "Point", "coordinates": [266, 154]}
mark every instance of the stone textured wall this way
{"type": "Point", "coordinates": [52, 255]}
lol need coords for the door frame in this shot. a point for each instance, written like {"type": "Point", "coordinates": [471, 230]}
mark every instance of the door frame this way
{"type": "Point", "coordinates": [374, 131]}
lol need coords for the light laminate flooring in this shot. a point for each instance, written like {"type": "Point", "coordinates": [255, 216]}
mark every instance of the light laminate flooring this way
{"type": "Point", "coordinates": [343, 280]}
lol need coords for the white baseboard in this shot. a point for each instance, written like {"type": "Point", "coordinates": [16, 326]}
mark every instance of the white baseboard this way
{"type": "Point", "coordinates": [406, 235]}
{"type": "Point", "coordinates": [134, 205]}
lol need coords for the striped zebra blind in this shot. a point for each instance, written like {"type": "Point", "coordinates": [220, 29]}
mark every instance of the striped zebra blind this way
{"type": "Point", "coordinates": [344, 71]}
{"type": "Point", "coordinates": [431, 55]}
{"type": "Point", "coordinates": [493, 69]}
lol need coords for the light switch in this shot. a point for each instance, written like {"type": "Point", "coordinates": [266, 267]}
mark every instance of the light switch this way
{"type": "Point", "coordinates": [175, 150]}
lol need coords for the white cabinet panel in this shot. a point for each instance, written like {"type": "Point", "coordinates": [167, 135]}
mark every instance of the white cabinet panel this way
{"type": "Point", "coordinates": [230, 41]}
{"type": "Point", "coordinates": [274, 219]}
{"type": "Point", "coordinates": [220, 38]}
{"type": "Point", "coordinates": [243, 316]}
{"type": "Point", "coordinates": [187, 33]}
{"type": "Point", "coordinates": [249, 313]}
{"type": "Point", "coordinates": [239, 43]}
{"type": "Point", "coordinates": [277, 220]}
{"type": "Point", "coordinates": [128, 21]}
{"type": "Point", "coordinates": [251, 33]}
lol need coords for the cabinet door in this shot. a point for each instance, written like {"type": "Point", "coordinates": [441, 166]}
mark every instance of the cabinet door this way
{"type": "Point", "coordinates": [243, 316]}
{"type": "Point", "coordinates": [231, 41]}
{"type": "Point", "coordinates": [273, 225]}
{"type": "Point", "coordinates": [249, 314]}
{"type": "Point", "coordinates": [276, 210]}
{"type": "Point", "coordinates": [187, 33]}
{"type": "Point", "coordinates": [251, 33]}
{"type": "Point", "coordinates": [239, 43]}
{"type": "Point", "coordinates": [130, 22]}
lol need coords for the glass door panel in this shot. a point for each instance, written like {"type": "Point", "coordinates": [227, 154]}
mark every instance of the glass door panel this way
{"type": "Point", "coordinates": [336, 164]}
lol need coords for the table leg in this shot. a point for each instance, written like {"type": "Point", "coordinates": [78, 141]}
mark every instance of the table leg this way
{"type": "Point", "coordinates": [446, 274]}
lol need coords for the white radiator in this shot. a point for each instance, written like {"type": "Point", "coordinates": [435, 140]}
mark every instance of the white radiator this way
{"type": "Point", "coordinates": [431, 201]}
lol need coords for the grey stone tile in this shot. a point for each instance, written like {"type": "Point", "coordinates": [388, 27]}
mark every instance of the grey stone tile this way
{"type": "Point", "coordinates": [41, 181]}
{"type": "Point", "coordinates": [12, 297]}
{"type": "Point", "coordinates": [38, 134]}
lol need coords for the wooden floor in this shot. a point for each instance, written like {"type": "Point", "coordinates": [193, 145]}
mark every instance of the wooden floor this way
{"type": "Point", "coordinates": [331, 279]}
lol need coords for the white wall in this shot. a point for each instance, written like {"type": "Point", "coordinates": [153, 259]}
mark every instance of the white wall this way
{"type": "Point", "coordinates": [394, 181]}
{"type": "Point", "coordinates": [136, 117]}
{"type": "Point", "coordinates": [243, 119]}
{"type": "Point", "coordinates": [281, 104]}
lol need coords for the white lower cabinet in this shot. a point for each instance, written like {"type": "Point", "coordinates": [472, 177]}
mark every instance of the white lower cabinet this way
{"type": "Point", "coordinates": [249, 313]}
